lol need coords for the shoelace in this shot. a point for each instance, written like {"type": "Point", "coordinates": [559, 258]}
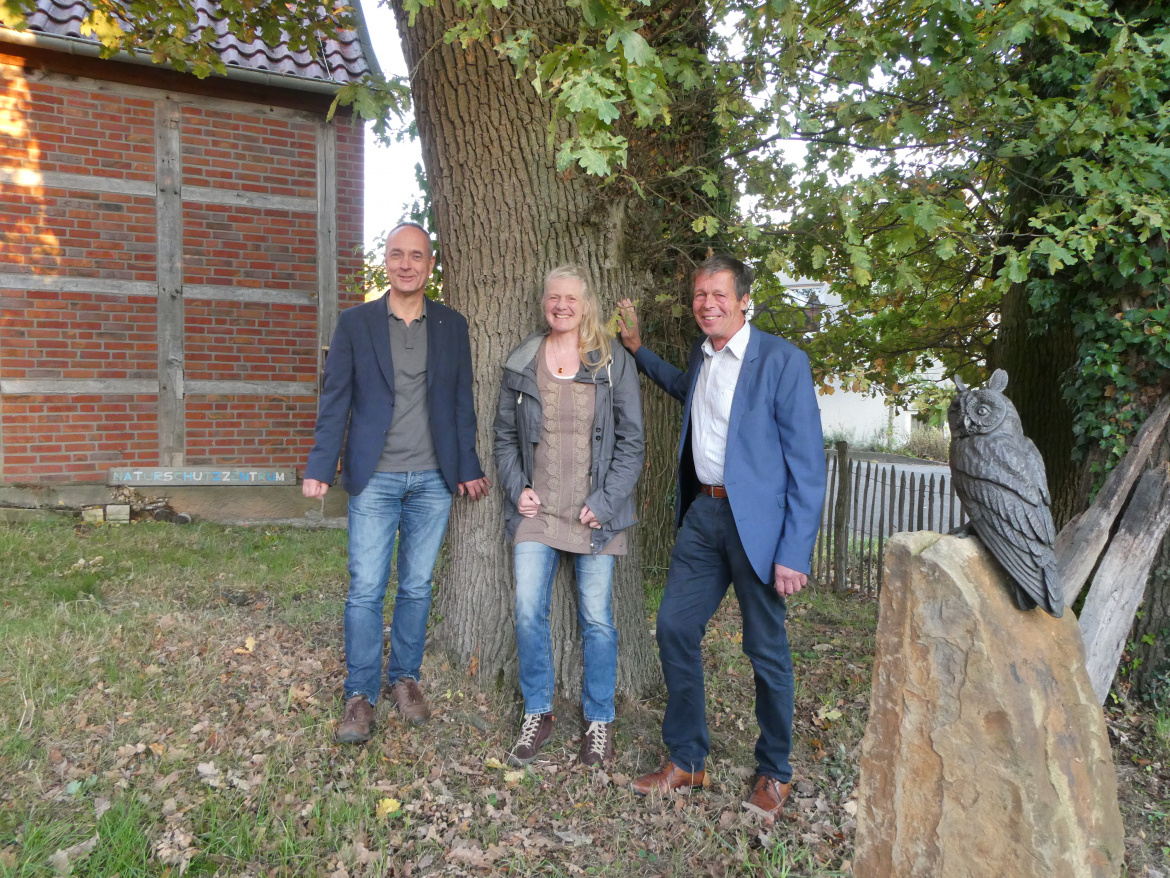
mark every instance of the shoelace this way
{"type": "Point", "coordinates": [529, 729]}
{"type": "Point", "coordinates": [596, 734]}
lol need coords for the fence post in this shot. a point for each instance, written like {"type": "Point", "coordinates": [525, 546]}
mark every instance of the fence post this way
{"type": "Point", "coordinates": [841, 521]}
{"type": "Point", "coordinates": [881, 532]}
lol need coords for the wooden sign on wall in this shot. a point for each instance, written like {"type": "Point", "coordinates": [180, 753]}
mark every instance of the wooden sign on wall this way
{"type": "Point", "coordinates": [200, 476]}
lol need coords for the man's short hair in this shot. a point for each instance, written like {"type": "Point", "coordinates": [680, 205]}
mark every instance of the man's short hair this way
{"type": "Point", "coordinates": [409, 224]}
{"type": "Point", "coordinates": [740, 271]}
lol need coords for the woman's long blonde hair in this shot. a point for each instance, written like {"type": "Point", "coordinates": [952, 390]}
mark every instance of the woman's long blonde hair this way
{"type": "Point", "coordinates": [593, 336]}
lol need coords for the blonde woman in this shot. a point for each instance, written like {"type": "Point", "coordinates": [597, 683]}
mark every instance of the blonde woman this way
{"type": "Point", "coordinates": [568, 448]}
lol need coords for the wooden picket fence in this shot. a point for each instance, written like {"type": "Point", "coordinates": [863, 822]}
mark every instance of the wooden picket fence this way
{"type": "Point", "coordinates": [865, 503]}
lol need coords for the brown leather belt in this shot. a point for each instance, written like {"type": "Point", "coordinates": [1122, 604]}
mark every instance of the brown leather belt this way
{"type": "Point", "coordinates": [714, 491]}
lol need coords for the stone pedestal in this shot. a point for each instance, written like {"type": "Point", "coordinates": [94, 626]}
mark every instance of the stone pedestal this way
{"type": "Point", "coordinates": [986, 752]}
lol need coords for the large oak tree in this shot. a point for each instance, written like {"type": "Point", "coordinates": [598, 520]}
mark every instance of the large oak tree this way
{"type": "Point", "coordinates": [982, 183]}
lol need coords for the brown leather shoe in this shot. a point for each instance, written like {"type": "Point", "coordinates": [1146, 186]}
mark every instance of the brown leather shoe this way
{"type": "Point", "coordinates": [411, 703]}
{"type": "Point", "coordinates": [667, 779]}
{"type": "Point", "coordinates": [768, 796]}
{"type": "Point", "coordinates": [358, 722]}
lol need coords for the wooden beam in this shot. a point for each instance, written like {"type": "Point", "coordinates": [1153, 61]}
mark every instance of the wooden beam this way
{"type": "Point", "coordinates": [172, 411]}
{"type": "Point", "coordinates": [257, 200]}
{"type": "Point", "coordinates": [223, 293]}
{"type": "Point", "coordinates": [250, 388]}
{"type": "Point", "coordinates": [144, 386]}
{"type": "Point", "coordinates": [78, 386]}
{"type": "Point", "coordinates": [1081, 541]}
{"type": "Point", "coordinates": [327, 303]}
{"type": "Point", "coordinates": [1120, 581]}
{"type": "Point", "coordinates": [61, 283]}
{"type": "Point", "coordinates": [207, 102]}
{"type": "Point", "coordinates": [27, 178]}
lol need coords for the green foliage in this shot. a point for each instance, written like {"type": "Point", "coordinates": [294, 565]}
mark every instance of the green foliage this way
{"type": "Point", "coordinates": [923, 157]}
{"type": "Point", "coordinates": [1124, 355]}
{"type": "Point", "coordinates": [950, 151]}
{"type": "Point", "coordinates": [931, 403]}
{"type": "Point", "coordinates": [384, 102]}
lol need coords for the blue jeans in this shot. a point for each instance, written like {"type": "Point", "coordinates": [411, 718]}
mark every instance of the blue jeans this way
{"type": "Point", "coordinates": [536, 567]}
{"type": "Point", "coordinates": [708, 555]}
{"type": "Point", "coordinates": [414, 508]}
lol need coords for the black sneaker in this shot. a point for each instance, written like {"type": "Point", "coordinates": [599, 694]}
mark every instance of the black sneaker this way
{"type": "Point", "coordinates": [597, 745]}
{"type": "Point", "coordinates": [534, 732]}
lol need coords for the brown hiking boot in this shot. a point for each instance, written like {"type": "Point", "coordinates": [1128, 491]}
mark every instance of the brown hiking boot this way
{"type": "Point", "coordinates": [534, 731]}
{"type": "Point", "coordinates": [358, 721]}
{"type": "Point", "coordinates": [597, 745]}
{"type": "Point", "coordinates": [411, 703]}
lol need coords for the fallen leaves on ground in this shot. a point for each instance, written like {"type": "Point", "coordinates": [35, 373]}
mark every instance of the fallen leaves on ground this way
{"type": "Point", "coordinates": [215, 721]}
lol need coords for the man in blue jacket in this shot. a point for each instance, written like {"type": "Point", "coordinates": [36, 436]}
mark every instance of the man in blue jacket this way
{"type": "Point", "coordinates": [397, 393]}
{"type": "Point", "coordinates": [750, 489]}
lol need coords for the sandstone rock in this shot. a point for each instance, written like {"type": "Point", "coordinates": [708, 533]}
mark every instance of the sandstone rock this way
{"type": "Point", "coordinates": [986, 752]}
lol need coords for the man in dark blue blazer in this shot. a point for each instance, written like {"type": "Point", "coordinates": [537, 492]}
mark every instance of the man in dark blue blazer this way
{"type": "Point", "coordinates": [397, 395]}
{"type": "Point", "coordinates": [750, 490]}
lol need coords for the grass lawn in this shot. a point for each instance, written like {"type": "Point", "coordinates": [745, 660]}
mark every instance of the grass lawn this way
{"type": "Point", "coordinates": [168, 696]}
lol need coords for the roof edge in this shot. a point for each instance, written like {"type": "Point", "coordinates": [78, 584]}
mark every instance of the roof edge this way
{"type": "Point", "coordinates": [92, 49]}
{"type": "Point", "coordinates": [367, 45]}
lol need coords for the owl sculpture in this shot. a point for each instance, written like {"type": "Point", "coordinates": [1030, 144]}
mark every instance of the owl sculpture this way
{"type": "Point", "coordinates": [999, 476]}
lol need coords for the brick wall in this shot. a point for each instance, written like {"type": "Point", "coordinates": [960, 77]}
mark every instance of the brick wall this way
{"type": "Point", "coordinates": [247, 341]}
{"type": "Point", "coordinates": [273, 249]}
{"type": "Point", "coordinates": [250, 431]}
{"type": "Point", "coordinates": [84, 234]}
{"type": "Point", "coordinates": [50, 335]}
{"type": "Point", "coordinates": [78, 335]}
{"type": "Point", "coordinates": [74, 130]}
{"type": "Point", "coordinates": [249, 152]}
{"type": "Point", "coordinates": [55, 439]}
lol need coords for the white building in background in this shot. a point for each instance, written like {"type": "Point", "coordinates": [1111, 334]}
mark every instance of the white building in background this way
{"type": "Point", "coordinates": [847, 414]}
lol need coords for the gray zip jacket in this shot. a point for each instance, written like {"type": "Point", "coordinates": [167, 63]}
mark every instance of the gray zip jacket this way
{"type": "Point", "coordinates": [618, 442]}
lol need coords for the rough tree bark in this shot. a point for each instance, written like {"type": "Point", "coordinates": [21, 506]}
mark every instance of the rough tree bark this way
{"type": "Point", "coordinates": [504, 216]}
{"type": "Point", "coordinates": [1037, 366]}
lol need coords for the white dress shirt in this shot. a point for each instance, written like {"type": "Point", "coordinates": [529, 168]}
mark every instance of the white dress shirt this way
{"type": "Point", "coordinates": [711, 405]}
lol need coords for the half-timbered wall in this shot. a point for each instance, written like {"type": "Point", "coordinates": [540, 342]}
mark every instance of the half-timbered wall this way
{"type": "Point", "coordinates": [170, 266]}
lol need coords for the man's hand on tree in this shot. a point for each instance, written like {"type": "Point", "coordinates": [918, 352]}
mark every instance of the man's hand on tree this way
{"type": "Point", "coordinates": [628, 326]}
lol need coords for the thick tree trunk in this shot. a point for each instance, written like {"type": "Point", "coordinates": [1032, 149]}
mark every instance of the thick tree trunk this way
{"type": "Point", "coordinates": [504, 217]}
{"type": "Point", "coordinates": [1037, 365]}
